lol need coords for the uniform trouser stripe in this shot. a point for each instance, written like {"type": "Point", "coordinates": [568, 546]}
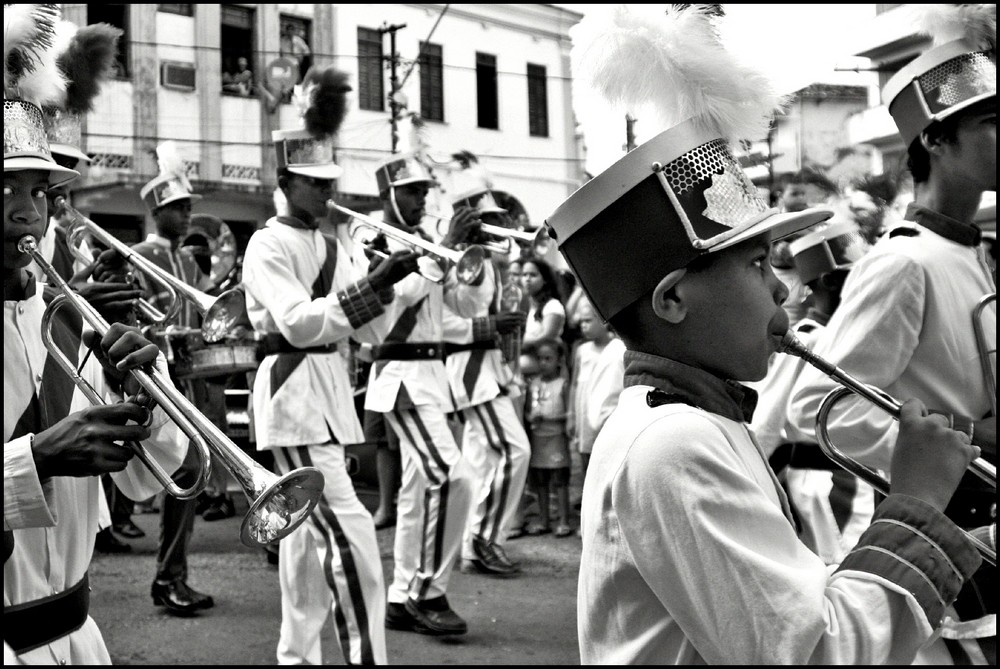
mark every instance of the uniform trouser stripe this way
{"type": "Point", "coordinates": [435, 496]}
{"type": "Point", "coordinates": [408, 435]}
{"type": "Point", "coordinates": [496, 501]}
{"type": "Point", "coordinates": [325, 520]}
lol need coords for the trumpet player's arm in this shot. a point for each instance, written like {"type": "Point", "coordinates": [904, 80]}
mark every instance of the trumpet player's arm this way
{"type": "Point", "coordinates": [275, 293]}
{"type": "Point", "coordinates": [727, 565]}
{"type": "Point", "coordinates": [872, 335]}
{"type": "Point", "coordinates": [166, 443]}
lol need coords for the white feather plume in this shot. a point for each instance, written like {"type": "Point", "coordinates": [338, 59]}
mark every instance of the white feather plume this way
{"type": "Point", "coordinates": [672, 63]}
{"type": "Point", "coordinates": [945, 23]}
{"type": "Point", "coordinates": [168, 157]}
{"type": "Point", "coordinates": [30, 69]}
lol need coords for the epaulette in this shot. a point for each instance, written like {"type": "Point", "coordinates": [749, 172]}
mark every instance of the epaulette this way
{"type": "Point", "coordinates": [904, 231]}
{"type": "Point", "coordinates": [656, 397]}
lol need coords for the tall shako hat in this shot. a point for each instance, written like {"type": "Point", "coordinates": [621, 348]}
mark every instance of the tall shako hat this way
{"type": "Point", "coordinates": [956, 73]}
{"type": "Point", "coordinates": [473, 187]}
{"type": "Point", "coordinates": [321, 100]}
{"type": "Point", "coordinates": [86, 57]}
{"type": "Point", "coordinates": [682, 193]}
{"type": "Point", "coordinates": [402, 169]}
{"type": "Point", "coordinates": [172, 183]}
{"type": "Point", "coordinates": [835, 246]}
{"type": "Point", "coordinates": [31, 79]}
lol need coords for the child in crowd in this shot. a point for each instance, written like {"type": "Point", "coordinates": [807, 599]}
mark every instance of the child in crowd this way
{"type": "Point", "coordinates": [546, 313]}
{"type": "Point", "coordinates": [597, 380]}
{"type": "Point", "coordinates": [546, 413]}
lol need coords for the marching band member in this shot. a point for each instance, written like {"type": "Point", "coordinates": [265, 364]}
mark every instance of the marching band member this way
{"type": "Point", "coordinates": [831, 506]}
{"type": "Point", "coordinates": [409, 384]}
{"type": "Point", "coordinates": [493, 438]}
{"type": "Point", "coordinates": [55, 443]}
{"type": "Point", "coordinates": [306, 294]}
{"type": "Point", "coordinates": [168, 198]}
{"type": "Point", "coordinates": [904, 323]}
{"type": "Point", "coordinates": [689, 554]}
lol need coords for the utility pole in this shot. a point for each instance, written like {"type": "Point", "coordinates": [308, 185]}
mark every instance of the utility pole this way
{"type": "Point", "coordinates": [394, 105]}
{"type": "Point", "coordinates": [629, 133]}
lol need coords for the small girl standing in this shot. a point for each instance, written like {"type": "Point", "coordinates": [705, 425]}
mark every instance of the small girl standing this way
{"type": "Point", "coordinates": [546, 414]}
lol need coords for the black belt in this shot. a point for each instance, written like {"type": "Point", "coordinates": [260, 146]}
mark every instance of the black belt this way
{"type": "Point", "coordinates": [434, 350]}
{"type": "Point", "coordinates": [34, 624]}
{"type": "Point", "coordinates": [801, 455]}
{"type": "Point", "coordinates": [485, 345]}
{"type": "Point", "coordinates": [275, 342]}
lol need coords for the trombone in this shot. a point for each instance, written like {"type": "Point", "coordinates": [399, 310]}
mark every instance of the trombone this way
{"type": "Point", "coordinates": [277, 505]}
{"type": "Point", "coordinates": [791, 345]}
{"type": "Point", "coordinates": [219, 314]}
{"type": "Point", "coordinates": [468, 263]}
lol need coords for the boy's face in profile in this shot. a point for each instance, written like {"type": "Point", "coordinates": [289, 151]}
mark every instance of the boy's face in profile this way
{"type": "Point", "coordinates": [734, 315]}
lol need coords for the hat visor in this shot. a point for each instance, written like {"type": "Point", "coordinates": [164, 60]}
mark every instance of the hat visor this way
{"type": "Point", "coordinates": [965, 104]}
{"type": "Point", "coordinates": [415, 180]}
{"type": "Point", "coordinates": [779, 225]}
{"type": "Point", "coordinates": [58, 175]}
{"type": "Point", "coordinates": [69, 151]}
{"type": "Point", "coordinates": [194, 197]}
{"type": "Point", "coordinates": [321, 171]}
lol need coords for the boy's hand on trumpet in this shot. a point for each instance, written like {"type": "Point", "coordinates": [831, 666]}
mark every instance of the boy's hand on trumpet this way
{"type": "Point", "coordinates": [109, 292]}
{"type": "Point", "coordinates": [465, 224]}
{"type": "Point", "coordinates": [930, 458]}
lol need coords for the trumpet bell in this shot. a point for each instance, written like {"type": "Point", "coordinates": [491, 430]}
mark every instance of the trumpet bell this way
{"type": "Point", "coordinates": [279, 506]}
{"type": "Point", "coordinates": [225, 312]}
{"type": "Point", "coordinates": [470, 265]}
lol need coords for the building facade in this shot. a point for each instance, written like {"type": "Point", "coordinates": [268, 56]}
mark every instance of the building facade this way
{"type": "Point", "coordinates": [493, 80]}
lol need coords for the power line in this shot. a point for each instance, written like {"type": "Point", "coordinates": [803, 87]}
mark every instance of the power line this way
{"type": "Point", "coordinates": [262, 144]}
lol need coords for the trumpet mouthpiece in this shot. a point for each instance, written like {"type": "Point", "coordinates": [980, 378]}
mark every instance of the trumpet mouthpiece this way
{"type": "Point", "coordinates": [27, 244]}
{"type": "Point", "coordinates": [789, 344]}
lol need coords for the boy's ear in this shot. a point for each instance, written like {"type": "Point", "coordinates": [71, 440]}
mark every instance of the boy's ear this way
{"type": "Point", "coordinates": [931, 142]}
{"type": "Point", "coordinates": [667, 303]}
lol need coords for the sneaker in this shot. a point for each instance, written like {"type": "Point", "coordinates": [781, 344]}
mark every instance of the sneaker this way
{"type": "Point", "coordinates": [435, 617]}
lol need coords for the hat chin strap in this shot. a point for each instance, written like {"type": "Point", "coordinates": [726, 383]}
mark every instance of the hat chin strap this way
{"type": "Point", "coordinates": [395, 207]}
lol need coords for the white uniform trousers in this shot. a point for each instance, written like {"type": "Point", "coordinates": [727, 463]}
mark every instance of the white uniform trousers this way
{"type": "Point", "coordinates": [434, 502]}
{"type": "Point", "coordinates": [330, 564]}
{"type": "Point", "coordinates": [497, 448]}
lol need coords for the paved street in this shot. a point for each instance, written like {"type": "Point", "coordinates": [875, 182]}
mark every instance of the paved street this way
{"type": "Point", "coordinates": [530, 619]}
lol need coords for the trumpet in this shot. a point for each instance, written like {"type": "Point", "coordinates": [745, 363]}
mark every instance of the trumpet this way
{"type": "Point", "coordinates": [277, 505]}
{"type": "Point", "coordinates": [791, 345]}
{"type": "Point", "coordinates": [469, 263]}
{"type": "Point", "coordinates": [539, 240]}
{"type": "Point", "coordinates": [499, 248]}
{"type": "Point", "coordinates": [989, 369]}
{"type": "Point", "coordinates": [219, 314]}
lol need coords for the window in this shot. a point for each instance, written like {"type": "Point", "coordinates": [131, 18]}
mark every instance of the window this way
{"type": "Point", "coordinates": [116, 15]}
{"type": "Point", "coordinates": [486, 90]}
{"type": "Point", "coordinates": [371, 92]}
{"type": "Point", "coordinates": [296, 43]}
{"type": "Point", "coordinates": [183, 10]}
{"type": "Point", "coordinates": [431, 82]}
{"type": "Point", "coordinates": [236, 37]}
{"type": "Point", "coordinates": [538, 102]}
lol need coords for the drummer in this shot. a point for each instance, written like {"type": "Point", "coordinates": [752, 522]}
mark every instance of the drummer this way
{"type": "Point", "coordinates": [168, 198]}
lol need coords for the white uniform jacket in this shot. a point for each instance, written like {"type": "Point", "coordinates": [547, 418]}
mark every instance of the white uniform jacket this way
{"type": "Point", "coordinates": [689, 556]}
{"type": "Point", "coordinates": [54, 521]}
{"type": "Point", "coordinates": [477, 376]}
{"type": "Point", "coordinates": [597, 387]}
{"type": "Point", "coordinates": [904, 325]}
{"type": "Point", "coordinates": [417, 315]}
{"type": "Point", "coordinates": [282, 273]}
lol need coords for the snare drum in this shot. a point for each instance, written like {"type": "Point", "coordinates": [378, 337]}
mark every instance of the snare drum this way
{"type": "Point", "coordinates": [196, 359]}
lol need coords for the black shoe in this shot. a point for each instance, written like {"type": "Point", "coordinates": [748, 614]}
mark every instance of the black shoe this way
{"type": "Point", "coordinates": [129, 529]}
{"type": "Point", "coordinates": [382, 522]}
{"type": "Point", "coordinates": [271, 551]}
{"type": "Point", "coordinates": [221, 507]}
{"type": "Point", "coordinates": [203, 502]}
{"type": "Point", "coordinates": [398, 618]}
{"type": "Point", "coordinates": [436, 617]}
{"type": "Point", "coordinates": [106, 542]}
{"type": "Point", "coordinates": [179, 598]}
{"type": "Point", "coordinates": [491, 559]}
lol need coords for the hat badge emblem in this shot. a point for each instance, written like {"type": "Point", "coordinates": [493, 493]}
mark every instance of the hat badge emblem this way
{"type": "Point", "coordinates": [731, 198]}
